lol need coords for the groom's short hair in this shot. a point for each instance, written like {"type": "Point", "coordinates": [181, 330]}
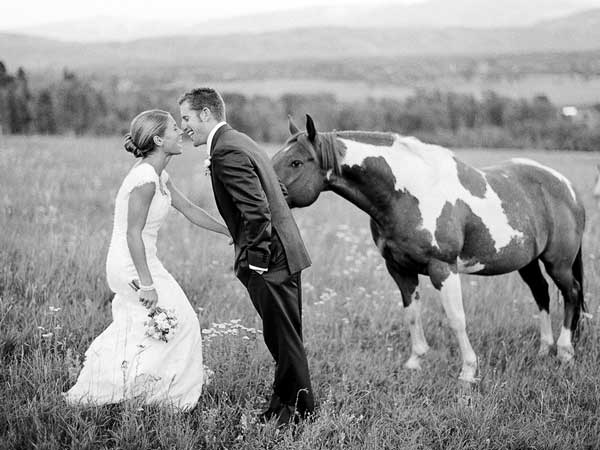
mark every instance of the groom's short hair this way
{"type": "Point", "coordinates": [205, 97]}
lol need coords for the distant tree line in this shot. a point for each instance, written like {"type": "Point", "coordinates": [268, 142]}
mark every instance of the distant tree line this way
{"type": "Point", "coordinates": [73, 105]}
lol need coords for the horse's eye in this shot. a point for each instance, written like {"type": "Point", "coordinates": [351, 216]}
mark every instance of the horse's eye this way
{"type": "Point", "coordinates": [296, 163]}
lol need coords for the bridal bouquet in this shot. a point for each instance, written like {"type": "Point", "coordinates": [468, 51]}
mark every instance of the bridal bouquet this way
{"type": "Point", "coordinates": [162, 323]}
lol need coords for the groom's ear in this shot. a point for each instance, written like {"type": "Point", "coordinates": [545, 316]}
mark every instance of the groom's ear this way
{"type": "Point", "coordinates": [292, 126]}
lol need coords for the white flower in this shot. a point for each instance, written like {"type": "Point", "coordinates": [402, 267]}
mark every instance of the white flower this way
{"type": "Point", "coordinates": [207, 166]}
{"type": "Point", "coordinates": [161, 323]}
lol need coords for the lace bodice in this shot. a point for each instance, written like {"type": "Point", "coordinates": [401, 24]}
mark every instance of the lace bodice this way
{"type": "Point", "coordinates": [159, 208]}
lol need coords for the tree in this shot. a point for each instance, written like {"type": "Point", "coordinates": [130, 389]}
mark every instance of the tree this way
{"type": "Point", "coordinates": [44, 113]}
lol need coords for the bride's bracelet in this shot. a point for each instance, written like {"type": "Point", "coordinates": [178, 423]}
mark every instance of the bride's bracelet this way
{"type": "Point", "coordinates": [150, 287]}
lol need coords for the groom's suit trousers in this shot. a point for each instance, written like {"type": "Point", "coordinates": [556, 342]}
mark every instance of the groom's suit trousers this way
{"type": "Point", "coordinates": [277, 297]}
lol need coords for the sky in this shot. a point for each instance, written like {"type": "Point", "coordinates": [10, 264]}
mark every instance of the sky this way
{"type": "Point", "coordinates": [46, 11]}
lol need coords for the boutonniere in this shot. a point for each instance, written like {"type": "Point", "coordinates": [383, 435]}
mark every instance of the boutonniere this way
{"type": "Point", "coordinates": [207, 166]}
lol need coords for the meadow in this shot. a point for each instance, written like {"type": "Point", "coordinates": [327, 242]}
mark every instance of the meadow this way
{"type": "Point", "coordinates": [56, 200]}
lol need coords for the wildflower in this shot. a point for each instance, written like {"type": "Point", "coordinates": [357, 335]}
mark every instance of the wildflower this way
{"type": "Point", "coordinates": [208, 376]}
{"type": "Point", "coordinates": [54, 309]}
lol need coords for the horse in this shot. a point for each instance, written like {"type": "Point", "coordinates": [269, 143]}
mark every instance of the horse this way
{"type": "Point", "coordinates": [431, 214]}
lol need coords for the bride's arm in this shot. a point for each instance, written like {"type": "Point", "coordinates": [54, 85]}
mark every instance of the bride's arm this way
{"type": "Point", "coordinates": [139, 204]}
{"type": "Point", "coordinates": [194, 213]}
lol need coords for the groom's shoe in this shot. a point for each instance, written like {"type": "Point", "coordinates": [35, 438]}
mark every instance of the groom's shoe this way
{"type": "Point", "coordinates": [285, 416]}
{"type": "Point", "coordinates": [266, 415]}
{"type": "Point", "coordinates": [272, 410]}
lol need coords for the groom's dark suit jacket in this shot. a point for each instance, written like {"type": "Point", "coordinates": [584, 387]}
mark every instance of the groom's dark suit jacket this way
{"type": "Point", "coordinates": [251, 200]}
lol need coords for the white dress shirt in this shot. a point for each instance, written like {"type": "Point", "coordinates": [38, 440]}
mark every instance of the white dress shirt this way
{"type": "Point", "coordinates": [211, 135]}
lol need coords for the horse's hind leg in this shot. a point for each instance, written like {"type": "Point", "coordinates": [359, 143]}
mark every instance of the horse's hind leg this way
{"type": "Point", "coordinates": [568, 276]}
{"type": "Point", "coordinates": [532, 275]}
{"type": "Point", "coordinates": [409, 288]}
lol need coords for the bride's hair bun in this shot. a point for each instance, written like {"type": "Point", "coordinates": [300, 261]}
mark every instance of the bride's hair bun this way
{"type": "Point", "coordinates": [131, 147]}
{"type": "Point", "coordinates": [140, 140]}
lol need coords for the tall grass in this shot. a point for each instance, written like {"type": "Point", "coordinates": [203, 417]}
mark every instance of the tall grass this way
{"type": "Point", "coordinates": [56, 201]}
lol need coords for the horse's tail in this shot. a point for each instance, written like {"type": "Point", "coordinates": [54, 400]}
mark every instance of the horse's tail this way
{"type": "Point", "coordinates": [580, 307]}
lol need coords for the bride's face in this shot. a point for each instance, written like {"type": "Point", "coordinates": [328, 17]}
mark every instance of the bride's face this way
{"type": "Point", "coordinates": [173, 138]}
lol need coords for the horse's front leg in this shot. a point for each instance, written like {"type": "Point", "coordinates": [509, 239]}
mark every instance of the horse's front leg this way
{"type": "Point", "coordinates": [408, 283]}
{"type": "Point", "coordinates": [446, 279]}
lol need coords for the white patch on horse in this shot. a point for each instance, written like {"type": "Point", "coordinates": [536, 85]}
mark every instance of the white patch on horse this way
{"type": "Point", "coordinates": [564, 347]}
{"type": "Point", "coordinates": [418, 342]}
{"type": "Point", "coordinates": [560, 176]}
{"type": "Point", "coordinates": [469, 266]}
{"type": "Point", "coordinates": [451, 294]}
{"type": "Point", "coordinates": [429, 173]}
{"type": "Point", "coordinates": [546, 337]}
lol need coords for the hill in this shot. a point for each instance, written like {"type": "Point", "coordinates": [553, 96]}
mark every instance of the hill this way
{"type": "Point", "coordinates": [574, 33]}
{"type": "Point", "coordinates": [382, 14]}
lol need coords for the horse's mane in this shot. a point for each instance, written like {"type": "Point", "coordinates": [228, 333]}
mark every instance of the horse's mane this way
{"type": "Point", "coordinates": [330, 152]}
{"type": "Point", "coordinates": [377, 138]}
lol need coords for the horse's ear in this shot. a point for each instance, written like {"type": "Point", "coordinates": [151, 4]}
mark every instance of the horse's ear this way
{"type": "Point", "coordinates": [293, 128]}
{"type": "Point", "coordinates": [311, 129]}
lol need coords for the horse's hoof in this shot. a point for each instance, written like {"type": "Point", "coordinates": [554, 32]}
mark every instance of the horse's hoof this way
{"type": "Point", "coordinates": [467, 375]}
{"type": "Point", "coordinates": [565, 354]}
{"type": "Point", "coordinates": [544, 350]}
{"type": "Point", "coordinates": [469, 379]}
{"type": "Point", "coordinates": [413, 363]}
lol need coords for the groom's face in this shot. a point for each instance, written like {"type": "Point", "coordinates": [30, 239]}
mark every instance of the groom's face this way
{"type": "Point", "coordinates": [193, 125]}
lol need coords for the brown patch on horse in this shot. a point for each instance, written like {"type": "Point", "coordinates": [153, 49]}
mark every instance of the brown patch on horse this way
{"type": "Point", "coordinates": [403, 218]}
{"type": "Point", "coordinates": [471, 179]}
{"type": "Point", "coordinates": [438, 272]}
{"type": "Point", "coordinates": [462, 233]}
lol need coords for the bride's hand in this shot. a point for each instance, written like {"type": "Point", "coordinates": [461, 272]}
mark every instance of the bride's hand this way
{"type": "Point", "coordinates": [149, 298]}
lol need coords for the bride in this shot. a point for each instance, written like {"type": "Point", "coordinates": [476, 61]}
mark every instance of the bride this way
{"type": "Point", "coordinates": [127, 360]}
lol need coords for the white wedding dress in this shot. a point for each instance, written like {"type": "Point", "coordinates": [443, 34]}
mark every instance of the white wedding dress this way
{"type": "Point", "coordinates": [122, 362]}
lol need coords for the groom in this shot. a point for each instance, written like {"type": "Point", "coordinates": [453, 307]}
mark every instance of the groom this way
{"type": "Point", "coordinates": [269, 252]}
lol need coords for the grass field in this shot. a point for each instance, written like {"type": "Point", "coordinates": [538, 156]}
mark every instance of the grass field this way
{"type": "Point", "coordinates": [56, 201]}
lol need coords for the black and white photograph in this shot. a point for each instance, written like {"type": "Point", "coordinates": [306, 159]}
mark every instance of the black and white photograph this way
{"type": "Point", "coordinates": [311, 224]}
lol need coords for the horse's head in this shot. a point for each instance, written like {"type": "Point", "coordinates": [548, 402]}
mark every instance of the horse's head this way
{"type": "Point", "coordinates": [299, 165]}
